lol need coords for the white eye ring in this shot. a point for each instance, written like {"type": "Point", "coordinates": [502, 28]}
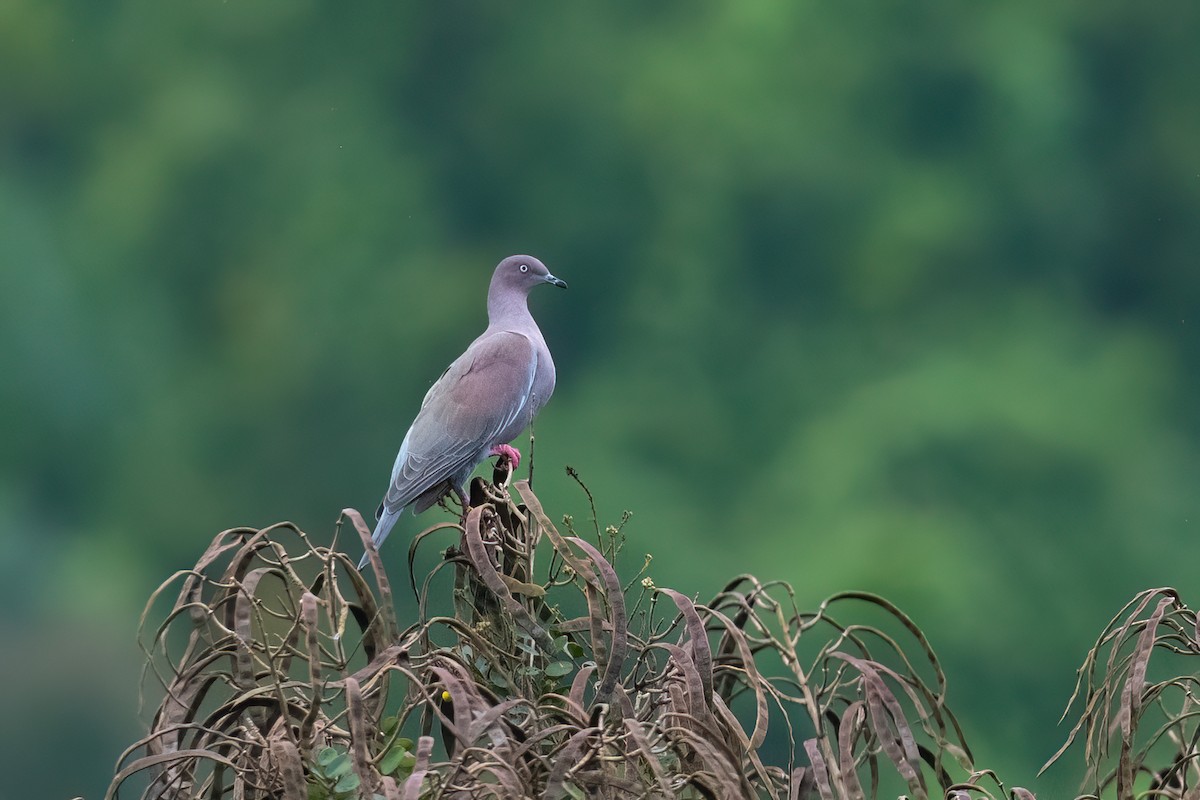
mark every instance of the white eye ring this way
{"type": "Point", "coordinates": [524, 268]}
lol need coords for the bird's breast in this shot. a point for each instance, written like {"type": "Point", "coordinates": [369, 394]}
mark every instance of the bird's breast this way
{"type": "Point", "coordinates": [543, 379]}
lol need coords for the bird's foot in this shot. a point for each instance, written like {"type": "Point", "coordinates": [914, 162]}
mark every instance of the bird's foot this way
{"type": "Point", "coordinates": [507, 451]}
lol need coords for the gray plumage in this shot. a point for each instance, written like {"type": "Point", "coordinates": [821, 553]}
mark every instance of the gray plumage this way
{"type": "Point", "coordinates": [482, 401]}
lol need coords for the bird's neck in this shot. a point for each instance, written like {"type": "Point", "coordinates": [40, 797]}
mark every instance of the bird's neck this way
{"type": "Point", "coordinates": [507, 309]}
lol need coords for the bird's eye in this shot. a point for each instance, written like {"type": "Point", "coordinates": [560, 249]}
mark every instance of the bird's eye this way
{"type": "Point", "coordinates": [524, 268]}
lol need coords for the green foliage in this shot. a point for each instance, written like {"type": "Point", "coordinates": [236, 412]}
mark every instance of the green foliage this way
{"type": "Point", "coordinates": [330, 776]}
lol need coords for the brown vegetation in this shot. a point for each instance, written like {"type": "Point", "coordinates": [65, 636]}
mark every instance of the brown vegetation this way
{"type": "Point", "coordinates": [540, 673]}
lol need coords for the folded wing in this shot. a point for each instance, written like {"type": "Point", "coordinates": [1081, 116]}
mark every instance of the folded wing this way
{"type": "Point", "coordinates": [480, 395]}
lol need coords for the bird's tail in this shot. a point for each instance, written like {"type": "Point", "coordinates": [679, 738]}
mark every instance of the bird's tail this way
{"type": "Point", "coordinates": [382, 528]}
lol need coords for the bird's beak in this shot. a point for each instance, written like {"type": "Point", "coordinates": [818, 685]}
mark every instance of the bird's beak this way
{"type": "Point", "coordinates": [559, 282]}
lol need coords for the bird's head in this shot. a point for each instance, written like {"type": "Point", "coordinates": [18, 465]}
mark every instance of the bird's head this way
{"type": "Point", "coordinates": [523, 272]}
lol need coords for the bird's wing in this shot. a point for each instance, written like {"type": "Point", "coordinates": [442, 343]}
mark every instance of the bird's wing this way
{"type": "Point", "coordinates": [480, 395]}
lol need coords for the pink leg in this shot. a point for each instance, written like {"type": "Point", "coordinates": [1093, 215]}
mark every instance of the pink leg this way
{"type": "Point", "coordinates": [509, 452]}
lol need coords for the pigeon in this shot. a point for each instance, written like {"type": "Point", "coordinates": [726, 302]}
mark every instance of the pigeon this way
{"type": "Point", "coordinates": [480, 403]}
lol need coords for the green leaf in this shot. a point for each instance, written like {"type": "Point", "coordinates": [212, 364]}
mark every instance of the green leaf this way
{"type": "Point", "coordinates": [391, 760]}
{"type": "Point", "coordinates": [559, 668]}
{"type": "Point", "coordinates": [574, 650]}
{"type": "Point", "coordinates": [559, 645]}
{"type": "Point", "coordinates": [388, 725]}
{"type": "Point", "coordinates": [347, 783]}
{"type": "Point", "coordinates": [574, 791]}
{"type": "Point", "coordinates": [326, 756]}
{"type": "Point", "coordinates": [339, 767]}
{"type": "Point", "coordinates": [317, 791]}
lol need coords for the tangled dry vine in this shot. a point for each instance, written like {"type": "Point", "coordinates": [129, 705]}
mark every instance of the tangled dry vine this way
{"type": "Point", "coordinates": [533, 670]}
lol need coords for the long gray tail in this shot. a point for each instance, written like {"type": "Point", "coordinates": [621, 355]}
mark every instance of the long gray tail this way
{"type": "Point", "coordinates": [382, 528]}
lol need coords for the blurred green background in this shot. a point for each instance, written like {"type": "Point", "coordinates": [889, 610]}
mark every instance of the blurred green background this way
{"type": "Point", "coordinates": [893, 297]}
